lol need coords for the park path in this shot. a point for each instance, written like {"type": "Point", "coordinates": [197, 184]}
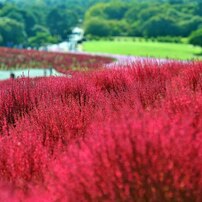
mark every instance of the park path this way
{"type": "Point", "coordinates": [123, 60]}
{"type": "Point", "coordinates": [120, 61]}
{"type": "Point", "coordinates": [32, 73]}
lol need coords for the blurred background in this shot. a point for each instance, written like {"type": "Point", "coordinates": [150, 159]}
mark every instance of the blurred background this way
{"type": "Point", "coordinates": [152, 28]}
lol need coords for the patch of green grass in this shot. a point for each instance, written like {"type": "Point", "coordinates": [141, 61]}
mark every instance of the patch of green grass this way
{"type": "Point", "coordinates": [144, 48]}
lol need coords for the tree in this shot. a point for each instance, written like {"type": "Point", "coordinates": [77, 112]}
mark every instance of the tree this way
{"type": "Point", "coordinates": [135, 29]}
{"type": "Point", "coordinates": [40, 29]}
{"type": "Point", "coordinates": [12, 32]}
{"type": "Point", "coordinates": [132, 14]}
{"type": "Point", "coordinates": [159, 26]}
{"type": "Point", "coordinates": [29, 21]}
{"type": "Point", "coordinates": [97, 27]}
{"type": "Point", "coordinates": [96, 11]}
{"type": "Point", "coordinates": [199, 9]}
{"type": "Point", "coordinates": [196, 38]}
{"type": "Point", "coordinates": [115, 10]}
{"type": "Point", "coordinates": [7, 8]}
{"type": "Point", "coordinates": [149, 12]}
{"type": "Point", "coordinates": [41, 39]}
{"type": "Point", "coordinates": [119, 27]}
{"type": "Point", "coordinates": [1, 39]}
{"type": "Point", "coordinates": [12, 12]}
{"type": "Point", "coordinates": [16, 16]}
{"type": "Point", "coordinates": [188, 26]}
{"type": "Point", "coordinates": [61, 21]}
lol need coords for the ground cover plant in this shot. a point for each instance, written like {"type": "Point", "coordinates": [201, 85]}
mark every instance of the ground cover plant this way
{"type": "Point", "coordinates": [144, 48]}
{"type": "Point", "coordinates": [125, 134]}
{"type": "Point", "coordinates": [62, 62]}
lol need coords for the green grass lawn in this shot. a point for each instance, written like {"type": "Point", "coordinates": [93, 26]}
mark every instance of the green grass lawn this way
{"type": "Point", "coordinates": [144, 48]}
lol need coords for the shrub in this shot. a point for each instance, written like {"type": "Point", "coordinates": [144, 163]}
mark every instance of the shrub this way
{"type": "Point", "coordinates": [125, 134]}
{"type": "Point", "coordinates": [196, 38]}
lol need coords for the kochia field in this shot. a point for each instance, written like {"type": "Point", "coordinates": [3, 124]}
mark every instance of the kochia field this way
{"type": "Point", "coordinates": [125, 134]}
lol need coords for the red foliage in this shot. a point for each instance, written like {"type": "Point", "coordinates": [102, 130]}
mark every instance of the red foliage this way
{"type": "Point", "coordinates": [62, 62]}
{"type": "Point", "coordinates": [130, 134]}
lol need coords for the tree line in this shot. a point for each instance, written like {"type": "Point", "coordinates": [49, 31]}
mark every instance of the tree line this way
{"type": "Point", "coordinates": [38, 22]}
{"type": "Point", "coordinates": [35, 23]}
{"type": "Point", "coordinates": [147, 18]}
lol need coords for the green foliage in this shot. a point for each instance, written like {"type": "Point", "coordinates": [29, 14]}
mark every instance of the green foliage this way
{"type": "Point", "coordinates": [188, 25]}
{"type": "Point", "coordinates": [118, 28]}
{"type": "Point", "coordinates": [198, 9]}
{"type": "Point", "coordinates": [132, 14]}
{"type": "Point", "coordinates": [11, 31]}
{"type": "Point", "coordinates": [1, 39]}
{"type": "Point", "coordinates": [61, 21]}
{"type": "Point", "coordinates": [159, 26]}
{"type": "Point", "coordinates": [15, 16]}
{"type": "Point", "coordinates": [150, 18]}
{"type": "Point", "coordinates": [196, 38]}
{"type": "Point", "coordinates": [41, 39]}
{"type": "Point", "coordinates": [147, 13]}
{"type": "Point", "coordinates": [97, 27]}
{"type": "Point", "coordinates": [39, 29]}
{"type": "Point", "coordinates": [29, 21]}
{"type": "Point", "coordinates": [135, 29]}
{"type": "Point", "coordinates": [115, 11]}
{"type": "Point", "coordinates": [96, 11]}
{"type": "Point", "coordinates": [39, 17]}
{"type": "Point", "coordinates": [169, 39]}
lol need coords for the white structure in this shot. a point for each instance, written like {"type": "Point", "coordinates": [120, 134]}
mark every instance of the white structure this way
{"type": "Point", "coordinates": [75, 38]}
{"type": "Point", "coordinates": [77, 34]}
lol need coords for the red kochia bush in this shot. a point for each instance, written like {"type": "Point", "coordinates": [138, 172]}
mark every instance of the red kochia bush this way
{"type": "Point", "coordinates": [130, 134]}
{"type": "Point", "coordinates": [63, 62]}
{"type": "Point", "coordinates": [133, 158]}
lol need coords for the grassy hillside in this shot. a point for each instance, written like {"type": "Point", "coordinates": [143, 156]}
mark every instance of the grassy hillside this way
{"type": "Point", "coordinates": [144, 48]}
